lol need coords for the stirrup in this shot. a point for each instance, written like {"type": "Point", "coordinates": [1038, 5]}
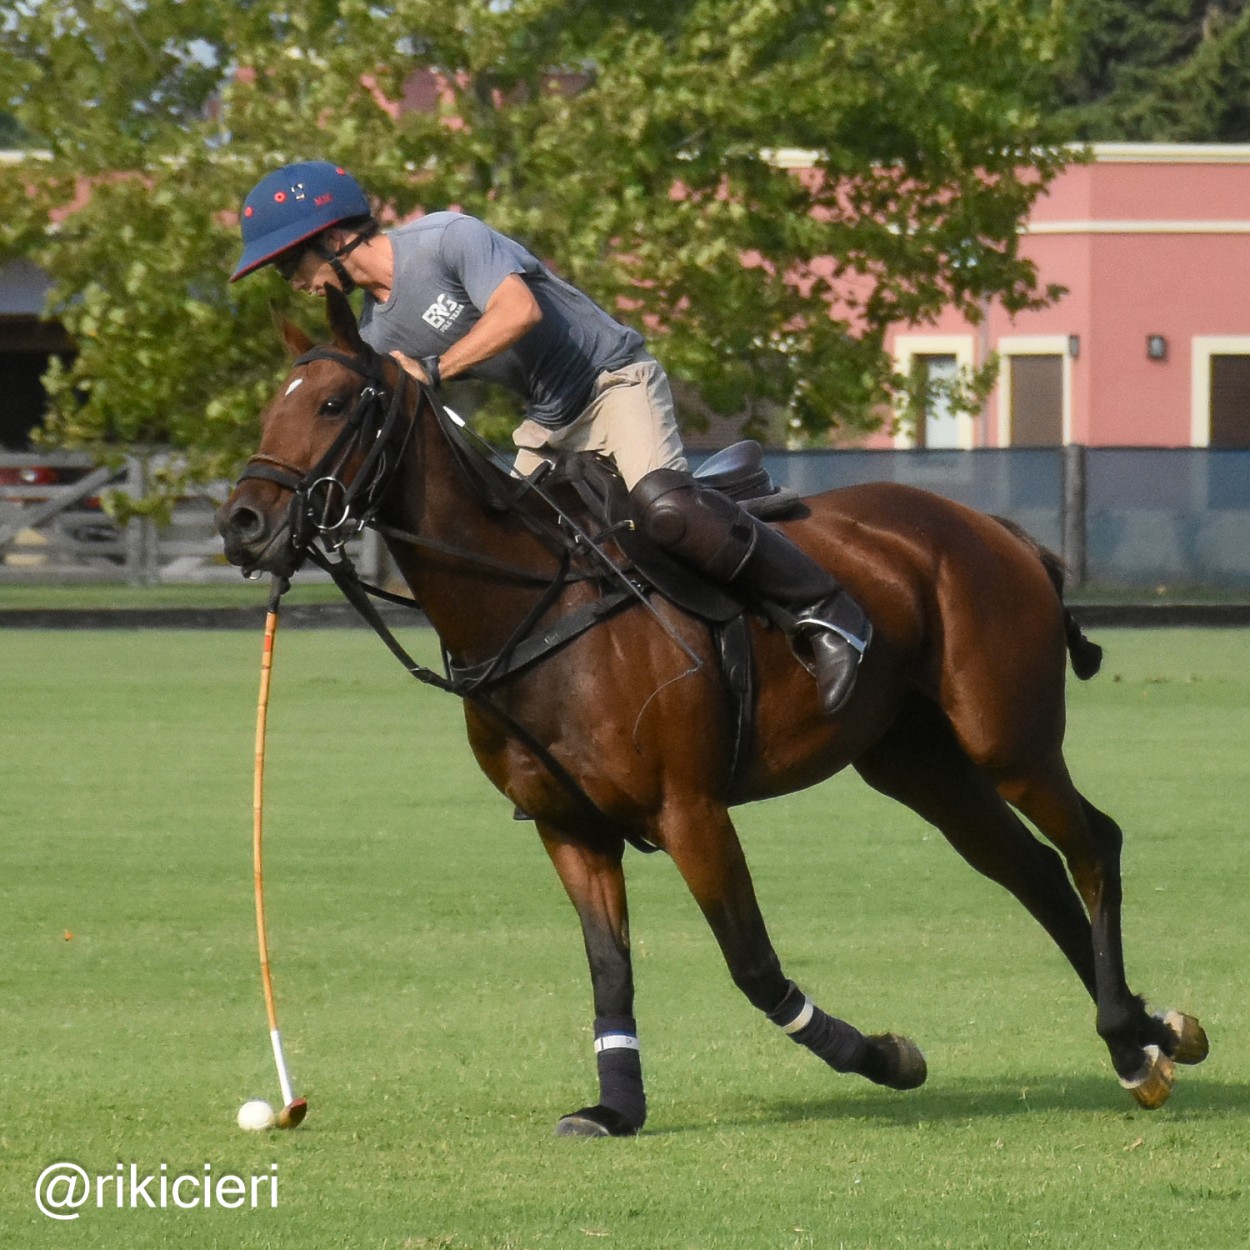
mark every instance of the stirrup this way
{"type": "Point", "coordinates": [836, 654]}
{"type": "Point", "coordinates": [810, 622]}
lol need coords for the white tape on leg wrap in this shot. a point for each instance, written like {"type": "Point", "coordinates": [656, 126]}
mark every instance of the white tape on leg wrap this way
{"type": "Point", "coordinates": [616, 1041]}
{"type": "Point", "coordinates": [803, 1019]}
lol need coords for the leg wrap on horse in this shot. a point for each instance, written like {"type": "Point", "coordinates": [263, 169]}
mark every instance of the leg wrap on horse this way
{"type": "Point", "coordinates": [842, 1046]}
{"type": "Point", "coordinates": [620, 1068]}
{"type": "Point", "coordinates": [713, 534]}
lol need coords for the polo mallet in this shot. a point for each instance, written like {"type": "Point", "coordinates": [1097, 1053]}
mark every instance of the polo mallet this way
{"type": "Point", "coordinates": [293, 1109]}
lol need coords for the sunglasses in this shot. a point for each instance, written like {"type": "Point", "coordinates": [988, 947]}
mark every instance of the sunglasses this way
{"type": "Point", "coordinates": [289, 263]}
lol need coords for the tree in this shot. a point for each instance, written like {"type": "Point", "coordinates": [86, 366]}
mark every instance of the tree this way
{"type": "Point", "coordinates": [1159, 71]}
{"type": "Point", "coordinates": [638, 145]}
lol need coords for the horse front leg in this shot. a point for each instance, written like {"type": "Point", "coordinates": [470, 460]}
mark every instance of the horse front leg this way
{"type": "Point", "coordinates": [594, 878]}
{"type": "Point", "coordinates": [702, 842]}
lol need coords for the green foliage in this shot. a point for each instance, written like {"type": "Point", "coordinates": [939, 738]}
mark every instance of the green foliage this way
{"type": "Point", "coordinates": [637, 146]}
{"type": "Point", "coordinates": [1159, 70]}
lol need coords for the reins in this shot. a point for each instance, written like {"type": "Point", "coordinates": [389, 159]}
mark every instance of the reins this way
{"type": "Point", "coordinates": [481, 464]}
{"type": "Point", "coordinates": [310, 519]}
{"type": "Point", "coordinates": [325, 508]}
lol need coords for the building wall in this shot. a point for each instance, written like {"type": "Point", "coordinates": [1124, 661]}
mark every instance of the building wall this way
{"type": "Point", "coordinates": [1149, 240]}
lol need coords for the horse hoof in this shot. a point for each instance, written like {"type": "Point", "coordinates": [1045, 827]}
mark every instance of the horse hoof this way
{"type": "Point", "coordinates": [894, 1061]}
{"type": "Point", "coordinates": [597, 1121]}
{"type": "Point", "coordinates": [1191, 1039]}
{"type": "Point", "coordinates": [1153, 1085]}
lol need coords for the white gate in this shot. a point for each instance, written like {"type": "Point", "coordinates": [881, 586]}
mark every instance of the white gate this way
{"type": "Point", "coordinates": [53, 529]}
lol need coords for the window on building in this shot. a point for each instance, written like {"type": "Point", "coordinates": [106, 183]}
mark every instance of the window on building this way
{"type": "Point", "coordinates": [941, 426]}
{"type": "Point", "coordinates": [1230, 401]}
{"type": "Point", "coordinates": [1036, 401]}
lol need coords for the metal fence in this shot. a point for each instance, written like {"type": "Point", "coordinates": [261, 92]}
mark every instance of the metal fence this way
{"type": "Point", "coordinates": [1123, 518]}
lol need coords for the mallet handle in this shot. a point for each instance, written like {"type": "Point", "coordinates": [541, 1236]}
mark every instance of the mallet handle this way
{"type": "Point", "coordinates": [277, 589]}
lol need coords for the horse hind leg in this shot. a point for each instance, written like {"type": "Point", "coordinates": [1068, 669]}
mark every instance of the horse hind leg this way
{"type": "Point", "coordinates": [1144, 1048]}
{"type": "Point", "coordinates": [921, 764]}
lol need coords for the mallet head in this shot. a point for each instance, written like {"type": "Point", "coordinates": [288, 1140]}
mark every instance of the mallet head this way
{"type": "Point", "coordinates": [292, 1114]}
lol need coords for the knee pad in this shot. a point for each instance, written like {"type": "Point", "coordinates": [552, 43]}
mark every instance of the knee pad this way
{"type": "Point", "coordinates": [698, 525]}
{"type": "Point", "coordinates": [661, 502]}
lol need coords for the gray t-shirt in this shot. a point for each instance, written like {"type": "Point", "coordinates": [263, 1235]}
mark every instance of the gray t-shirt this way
{"type": "Point", "coordinates": [447, 266]}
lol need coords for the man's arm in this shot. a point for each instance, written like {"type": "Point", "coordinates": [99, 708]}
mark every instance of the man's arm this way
{"type": "Point", "coordinates": [510, 314]}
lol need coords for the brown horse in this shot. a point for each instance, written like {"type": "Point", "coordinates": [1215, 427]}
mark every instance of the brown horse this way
{"type": "Point", "coordinates": [618, 736]}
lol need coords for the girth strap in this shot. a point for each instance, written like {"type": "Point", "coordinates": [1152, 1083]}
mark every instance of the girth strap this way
{"type": "Point", "coordinates": [737, 663]}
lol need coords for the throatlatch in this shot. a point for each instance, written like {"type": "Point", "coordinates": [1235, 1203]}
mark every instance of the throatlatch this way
{"type": "Point", "coordinates": [707, 530]}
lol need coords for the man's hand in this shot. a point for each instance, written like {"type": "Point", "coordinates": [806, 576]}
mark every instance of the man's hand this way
{"type": "Point", "coordinates": [411, 367]}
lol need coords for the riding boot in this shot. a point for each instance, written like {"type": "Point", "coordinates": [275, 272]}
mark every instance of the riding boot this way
{"type": "Point", "coordinates": [707, 530]}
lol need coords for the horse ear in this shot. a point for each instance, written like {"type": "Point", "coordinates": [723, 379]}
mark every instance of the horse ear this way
{"type": "Point", "coordinates": [297, 342]}
{"type": "Point", "coordinates": [343, 323]}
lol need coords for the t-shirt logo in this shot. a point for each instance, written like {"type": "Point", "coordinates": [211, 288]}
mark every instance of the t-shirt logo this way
{"type": "Point", "coordinates": [442, 312]}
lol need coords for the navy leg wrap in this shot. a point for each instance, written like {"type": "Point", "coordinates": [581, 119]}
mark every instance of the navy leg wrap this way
{"type": "Point", "coordinates": [842, 1046]}
{"type": "Point", "coordinates": [620, 1068]}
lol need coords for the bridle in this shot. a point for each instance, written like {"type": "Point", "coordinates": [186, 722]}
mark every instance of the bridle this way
{"type": "Point", "coordinates": [323, 505]}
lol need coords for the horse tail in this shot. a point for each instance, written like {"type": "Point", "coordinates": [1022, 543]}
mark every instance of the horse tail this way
{"type": "Point", "coordinates": [1086, 656]}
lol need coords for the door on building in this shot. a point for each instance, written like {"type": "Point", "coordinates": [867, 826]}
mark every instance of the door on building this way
{"type": "Point", "coordinates": [1036, 411]}
{"type": "Point", "coordinates": [26, 346]}
{"type": "Point", "coordinates": [1230, 401]}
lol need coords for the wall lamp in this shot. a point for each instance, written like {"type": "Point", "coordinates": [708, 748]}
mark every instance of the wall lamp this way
{"type": "Point", "coordinates": [1156, 347]}
{"type": "Point", "coordinates": [1074, 345]}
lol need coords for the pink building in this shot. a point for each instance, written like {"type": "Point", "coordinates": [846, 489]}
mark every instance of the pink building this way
{"type": "Point", "coordinates": [1151, 344]}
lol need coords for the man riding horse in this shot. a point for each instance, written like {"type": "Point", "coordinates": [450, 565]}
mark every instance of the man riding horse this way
{"type": "Point", "coordinates": [449, 297]}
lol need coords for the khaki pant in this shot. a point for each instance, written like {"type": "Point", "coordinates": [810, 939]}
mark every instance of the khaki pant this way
{"type": "Point", "coordinates": [630, 419]}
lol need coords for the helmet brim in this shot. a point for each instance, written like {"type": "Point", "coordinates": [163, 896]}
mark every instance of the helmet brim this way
{"type": "Point", "coordinates": [266, 250]}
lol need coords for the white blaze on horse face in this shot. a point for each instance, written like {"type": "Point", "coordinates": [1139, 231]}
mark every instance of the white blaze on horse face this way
{"type": "Point", "coordinates": [297, 382]}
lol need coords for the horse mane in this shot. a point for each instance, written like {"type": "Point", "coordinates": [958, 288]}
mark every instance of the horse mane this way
{"type": "Point", "coordinates": [1086, 656]}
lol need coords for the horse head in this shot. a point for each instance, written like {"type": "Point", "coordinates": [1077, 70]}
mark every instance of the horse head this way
{"type": "Point", "coordinates": [331, 439]}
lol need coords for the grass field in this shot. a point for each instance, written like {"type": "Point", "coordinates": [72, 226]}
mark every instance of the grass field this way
{"type": "Point", "coordinates": [436, 1009]}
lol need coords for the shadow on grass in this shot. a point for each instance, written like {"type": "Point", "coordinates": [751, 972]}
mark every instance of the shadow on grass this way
{"type": "Point", "coordinates": [962, 1099]}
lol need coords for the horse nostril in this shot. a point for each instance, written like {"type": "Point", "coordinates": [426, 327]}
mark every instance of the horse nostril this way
{"type": "Point", "coordinates": [245, 524]}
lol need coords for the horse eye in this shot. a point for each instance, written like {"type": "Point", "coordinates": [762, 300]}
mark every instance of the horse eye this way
{"type": "Point", "coordinates": [335, 406]}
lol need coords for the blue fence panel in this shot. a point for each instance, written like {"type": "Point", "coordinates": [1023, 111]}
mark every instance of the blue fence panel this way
{"type": "Point", "coordinates": [1162, 517]}
{"type": "Point", "coordinates": [1153, 517]}
{"type": "Point", "coordinates": [1025, 484]}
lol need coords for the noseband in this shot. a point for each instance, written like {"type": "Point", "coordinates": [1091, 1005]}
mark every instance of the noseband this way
{"type": "Point", "coordinates": [322, 504]}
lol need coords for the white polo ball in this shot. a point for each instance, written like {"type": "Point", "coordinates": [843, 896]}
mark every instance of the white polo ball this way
{"type": "Point", "coordinates": [256, 1115]}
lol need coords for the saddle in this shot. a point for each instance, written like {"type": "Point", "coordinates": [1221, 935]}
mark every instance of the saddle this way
{"type": "Point", "coordinates": [738, 471]}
